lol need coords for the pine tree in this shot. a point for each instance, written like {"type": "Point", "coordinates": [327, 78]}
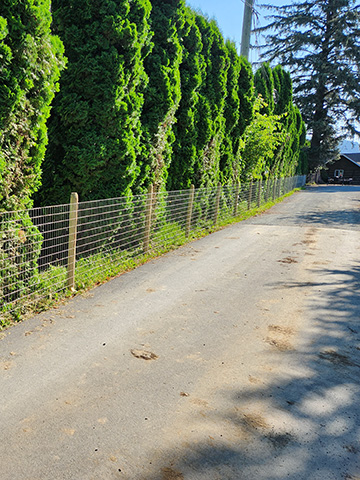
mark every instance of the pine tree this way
{"type": "Point", "coordinates": [95, 127]}
{"type": "Point", "coordinates": [319, 41]}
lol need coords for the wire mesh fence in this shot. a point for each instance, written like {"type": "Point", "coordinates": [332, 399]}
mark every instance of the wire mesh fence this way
{"type": "Point", "coordinates": [48, 252]}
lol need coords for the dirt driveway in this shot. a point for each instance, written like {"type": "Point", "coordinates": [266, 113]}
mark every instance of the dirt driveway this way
{"type": "Point", "coordinates": [236, 357]}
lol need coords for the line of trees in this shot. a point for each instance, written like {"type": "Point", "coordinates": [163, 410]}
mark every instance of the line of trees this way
{"type": "Point", "coordinates": [319, 43]}
{"type": "Point", "coordinates": [149, 92]}
{"type": "Point", "coordinates": [105, 97]}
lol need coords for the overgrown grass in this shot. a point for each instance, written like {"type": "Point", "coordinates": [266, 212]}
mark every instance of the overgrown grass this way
{"type": "Point", "coordinates": [97, 269]}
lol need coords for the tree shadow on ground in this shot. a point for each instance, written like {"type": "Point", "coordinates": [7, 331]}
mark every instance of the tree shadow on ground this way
{"type": "Point", "coordinates": [309, 427]}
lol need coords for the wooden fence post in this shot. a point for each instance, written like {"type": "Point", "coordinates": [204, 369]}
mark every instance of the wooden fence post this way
{"type": "Point", "coordinates": [73, 217]}
{"type": "Point", "coordinates": [148, 215]}
{"type": "Point", "coordinates": [217, 204]}
{"type": "Point", "coordinates": [259, 193]}
{"type": "Point", "coordinates": [250, 194]}
{"type": "Point", "coordinates": [236, 202]}
{"type": "Point", "coordinates": [189, 210]}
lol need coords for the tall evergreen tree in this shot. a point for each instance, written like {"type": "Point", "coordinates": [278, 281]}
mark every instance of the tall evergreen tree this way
{"type": "Point", "coordinates": [273, 142]}
{"type": "Point", "coordinates": [264, 85]}
{"type": "Point", "coordinates": [30, 62]}
{"type": "Point", "coordinates": [210, 109]}
{"type": "Point", "coordinates": [163, 93]}
{"type": "Point", "coordinates": [238, 114]}
{"type": "Point", "coordinates": [229, 160]}
{"type": "Point", "coordinates": [95, 127]}
{"type": "Point", "coordinates": [291, 120]}
{"type": "Point", "coordinates": [246, 95]}
{"type": "Point", "coordinates": [185, 153]}
{"type": "Point", "coordinates": [319, 41]}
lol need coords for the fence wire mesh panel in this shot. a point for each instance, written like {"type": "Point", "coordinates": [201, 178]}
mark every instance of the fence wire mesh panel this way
{"type": "Point", "coordinates": [169, 210]}
{"type": "Point", "coordinates": [33, 252]}
{"type": "Point", "coordinates": [109, 236]}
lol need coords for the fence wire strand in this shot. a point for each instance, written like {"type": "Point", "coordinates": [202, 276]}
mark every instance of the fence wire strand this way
{"type": "Point", "coordinates": [112, 236]}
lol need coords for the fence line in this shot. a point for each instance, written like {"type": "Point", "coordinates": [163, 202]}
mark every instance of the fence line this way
{"type": "Point", "coordinates": [47, 251]}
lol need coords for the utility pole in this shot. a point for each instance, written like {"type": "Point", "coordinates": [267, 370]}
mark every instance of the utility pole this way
{"type": "Point", "coordinates": [246, 30]}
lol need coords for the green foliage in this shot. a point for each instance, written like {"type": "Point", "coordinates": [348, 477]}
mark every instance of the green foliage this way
{"type": "Point", "coordinates": [31, 59]}
{"type": "Point", "coordinates": [185, 152]}
{"type": "Point", "coordinates": [319, 42]}
{"type": "Point", "coordinates": [163, 93]}
{"type": "Point", "coordinates": [264, 85]}
{"type": "Point", "coordinates": [95, 126]}
{"type": "Point", "coordinates": [291, 120]}
{"type": "Point", "coordinates": [229, 161]}
{"type": "Point", "coordinates": [210, 120]}
{"type": "Point", "coordinates": [276, 84]}
{"type": "Point", "coordinates": [246, 95]}
{"type": "Point", "coordinates": [238, 114]}
{"type": "Point", "coordinates": [30, 63]}
{"type": "Point", "coordinates": [20, 244]}
{"type": "Point", "coordinates": [260, 143]}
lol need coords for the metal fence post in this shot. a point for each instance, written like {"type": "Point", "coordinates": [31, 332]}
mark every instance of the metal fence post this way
{"type": "Point", "coordinates": [148, 215]}
{"type": "Point", "coordinates": [189, 210]}
{"type": "Point", "coordinates": [217, 203]}
{"type": "Point", "coordinates": [236, 201]}
{"type": "Point", "coordinates": [73, 216]}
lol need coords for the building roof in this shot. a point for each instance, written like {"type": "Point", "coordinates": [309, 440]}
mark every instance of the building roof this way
{"type": "Point", "coordinates": [353, 157]}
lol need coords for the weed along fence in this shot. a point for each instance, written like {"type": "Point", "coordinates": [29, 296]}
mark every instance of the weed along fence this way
{"type": "Point", "coordinates": [48, 253]}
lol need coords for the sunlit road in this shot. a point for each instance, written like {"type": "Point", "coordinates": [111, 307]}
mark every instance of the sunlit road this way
{"type": "Point", "coordinates": [254, 334]}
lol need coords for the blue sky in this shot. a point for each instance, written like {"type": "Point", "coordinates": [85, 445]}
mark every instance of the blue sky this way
{"type": "Point", "coordinates": [229, 16]}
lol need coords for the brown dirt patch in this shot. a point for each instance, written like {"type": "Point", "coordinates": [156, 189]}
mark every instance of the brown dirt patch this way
{"type": "Point", "coordinates": [281, 344]}
{"type": "Point", "coordinates": [279, 337]}
{"type": "Point", "coordinates": [255, 420]}
{"type": "Point", "coordinates": [288, 260]}
{"type": "Point", "coordinates": [144, 354]}
{"type": "Point", "coordinates": [168, 473]}
{"type": "Point", "coordinates": [279, 329]}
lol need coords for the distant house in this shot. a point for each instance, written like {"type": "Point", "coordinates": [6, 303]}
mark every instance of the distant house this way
{"type": "Point", "coordinates": [347, 167]}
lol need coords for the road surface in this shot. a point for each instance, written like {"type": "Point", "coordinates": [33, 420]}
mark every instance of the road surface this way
{"type": "Point", "coordinates": [253, 372]}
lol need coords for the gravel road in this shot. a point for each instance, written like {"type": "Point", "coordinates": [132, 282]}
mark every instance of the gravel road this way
{"type": "Point", "coordinates": [236, 357]}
